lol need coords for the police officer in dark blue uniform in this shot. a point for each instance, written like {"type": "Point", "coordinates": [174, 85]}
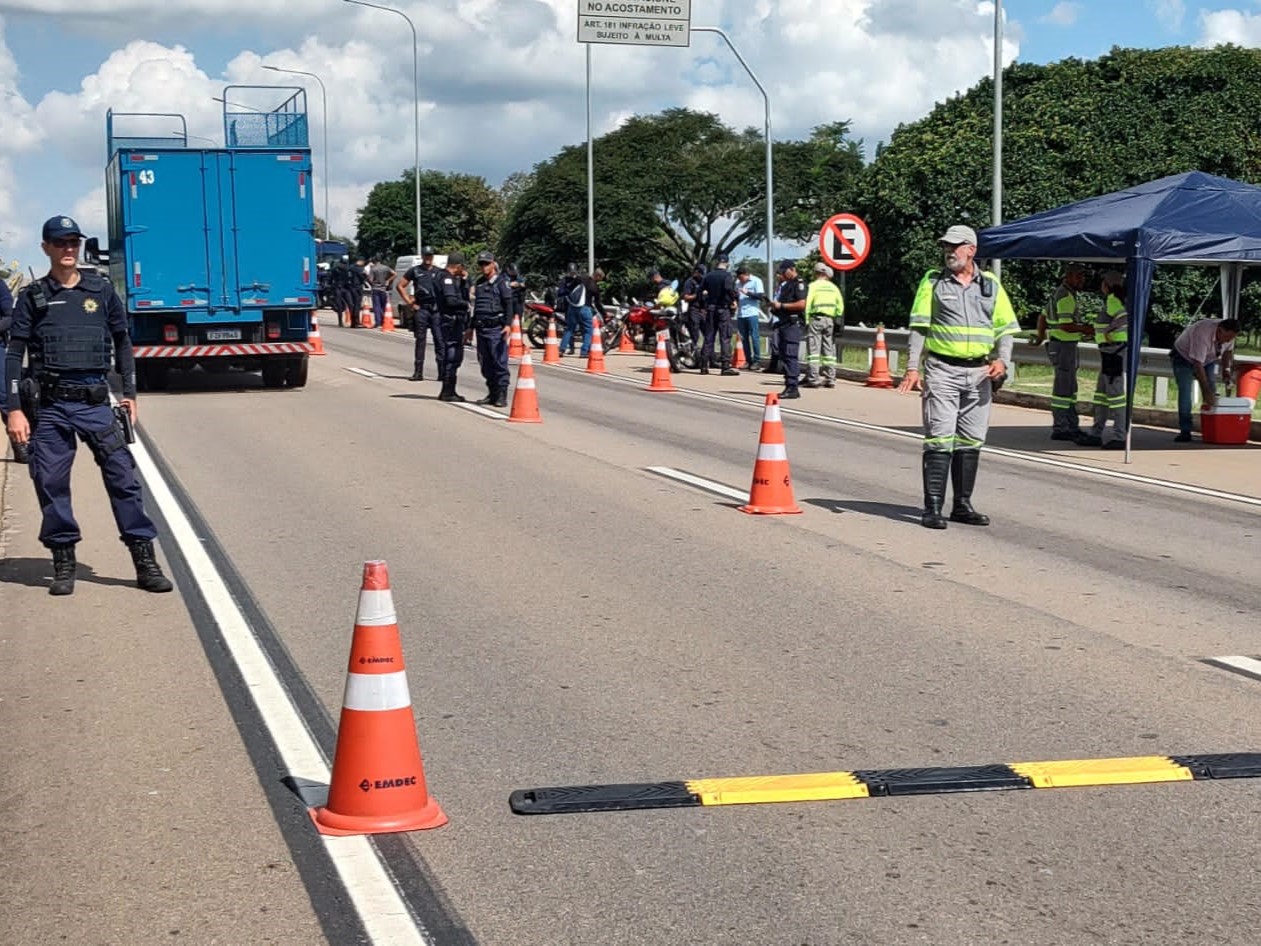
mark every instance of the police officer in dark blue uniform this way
{"type": "Point", "coordinates": [20, 454]}
{"type": "Point", "coordinates": [452, 297]}
{"type": "Point", "coordinates": [719, 296]}
{"type": "Point", "coordinates": [492, 315]}
{"type": "Point", "coordinates": [66, 322]}
{"type": "Point", "coordinates": [694, 312]}
{"type": "Point", "coordinates": [419, 289]}
{"type": "Point", "coordinates": [789, 308]}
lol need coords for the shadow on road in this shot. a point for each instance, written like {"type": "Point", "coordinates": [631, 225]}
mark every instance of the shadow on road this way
{"type": "Point", "coordinates": [884, 510]}
{"type": "Point", "coordinates": [38, 573]}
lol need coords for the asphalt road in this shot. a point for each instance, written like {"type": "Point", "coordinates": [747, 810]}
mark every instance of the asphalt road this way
{"type": "Point", "coordinates": [569, 618]}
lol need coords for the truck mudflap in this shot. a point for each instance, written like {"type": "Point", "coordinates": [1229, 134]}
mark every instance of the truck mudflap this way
{"type": "Point", "coordinates": [223, 351]}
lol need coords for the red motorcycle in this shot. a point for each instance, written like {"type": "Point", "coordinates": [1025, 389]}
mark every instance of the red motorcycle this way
{"type": "Point", "coordinates": [639, 321]}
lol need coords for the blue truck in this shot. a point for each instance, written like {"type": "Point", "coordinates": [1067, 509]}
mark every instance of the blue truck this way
{"type": "Point", "coordinates": [213, 249]}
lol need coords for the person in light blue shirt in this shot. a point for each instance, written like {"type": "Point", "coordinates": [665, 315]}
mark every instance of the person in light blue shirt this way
{"type": "Point", "coordinates": [751, 293]}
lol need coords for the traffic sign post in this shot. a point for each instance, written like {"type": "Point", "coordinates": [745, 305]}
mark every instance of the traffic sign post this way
{"type": "Point", "coordinates": [635, 22]}
{"type": "Point", "coordinates": [844, 242]}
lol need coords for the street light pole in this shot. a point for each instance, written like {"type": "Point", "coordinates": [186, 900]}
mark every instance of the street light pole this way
{"type": "Point", "coordinates": [415, 99]}
{"type": "Point", "coordinates": [770, 172]}
{"type": "Point", "coordinates": [324, 101]}
{"type": "Point", "coordinates": [996, 212]}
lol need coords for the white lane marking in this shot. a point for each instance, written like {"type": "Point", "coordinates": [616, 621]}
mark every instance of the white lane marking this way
{"type": "Point", "coordinates": [1248, 666]}
{"type": "Point", "coordinates": [990, 451]}
{"type": "Point", "coordinates": [712, 486]}
{"type": "Point", "coordinates": [363, 372]}
{"type": "Point", "coordinates": [382, 911]}
{"type": "Point", "coordinates": [484, 411]}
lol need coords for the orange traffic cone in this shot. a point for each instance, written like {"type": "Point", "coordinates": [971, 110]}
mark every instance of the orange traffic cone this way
{"type": "Point", "coordinates": [661, 380]}
{"type": "Point", "coordinates": [737, 352]}
{"type": "Point", "coordinates": [772, 492]}
{"type": "Point", "coordinates": [595, 358]}
{"type": "Point", "coordinates": [525, 398]}
{"type": "Point", "coordinates": [365, 314]}
{"type": "Point", "coordinates": [378, 783]}
{"type": "Point", "coordinates": [551, 345]}
{"type": "Point", "coordinates": [516, 346]}
{"type": "Point", "coordinates": [626, 345]}
{"type": "Point", "coordinates": [317, 343]}
{"type": "Point", "coordinates": [387, 320]}
{"type": "Point", "coordinates": [879, 376]}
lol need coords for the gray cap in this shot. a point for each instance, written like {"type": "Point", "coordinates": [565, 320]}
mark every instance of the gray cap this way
{"type": "Point", "coordinates": [823, 269]}
{"type": "Point", "coordinates": [958, 234]}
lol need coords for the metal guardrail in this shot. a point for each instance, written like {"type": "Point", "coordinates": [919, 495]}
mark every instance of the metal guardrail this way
{"type": "Point", "coordinates": [1153, 362]}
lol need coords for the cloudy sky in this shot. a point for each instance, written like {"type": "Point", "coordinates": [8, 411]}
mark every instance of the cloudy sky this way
{"type": "Point", "coordinates": [502, 81]}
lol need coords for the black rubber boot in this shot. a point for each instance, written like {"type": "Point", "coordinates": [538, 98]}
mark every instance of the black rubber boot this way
{"type": "Point", "coordinates": [963, 477]}
{"type": "Point", "coordinates": [64, 566]}
{"type": "Point", "coordinates": [936, 473]}
{"type": "Point", "coordinates": [149, 575]}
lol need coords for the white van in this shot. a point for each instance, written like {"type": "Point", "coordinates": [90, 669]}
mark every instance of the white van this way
{"type": "Point", "coordinates": [401, 266]}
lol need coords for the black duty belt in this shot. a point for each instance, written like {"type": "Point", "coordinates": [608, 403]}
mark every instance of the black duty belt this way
{"type": "Point", "coordinates": [960, 362]}
{"type": "Point", "coordinates": [77, 393]}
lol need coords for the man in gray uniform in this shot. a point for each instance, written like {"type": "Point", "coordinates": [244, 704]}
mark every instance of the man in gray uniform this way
{"type": "Point", "coordinates": [963, 326]}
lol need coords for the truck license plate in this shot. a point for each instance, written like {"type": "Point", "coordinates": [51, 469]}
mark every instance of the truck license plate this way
{"type": "Point", "coordinates": [223, 335]}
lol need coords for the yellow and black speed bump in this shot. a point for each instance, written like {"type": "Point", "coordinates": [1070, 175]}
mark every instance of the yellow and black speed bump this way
{"type": "Point", "coordinates": [869, 783]}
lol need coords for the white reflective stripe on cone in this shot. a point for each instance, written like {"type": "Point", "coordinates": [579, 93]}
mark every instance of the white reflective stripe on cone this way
{"type": "Point", "coordinates": [376, 691]}
{"type": "Point", "coordinates": [661, 363]}
{"type": "Point", "coordinates": [772, 413]}
{"type": "Point", "coordinates": [525, 384]}
{"type": "Point", "coordinates": [376, 608]}
{"type": "Point", "coordinates": [772, 451]}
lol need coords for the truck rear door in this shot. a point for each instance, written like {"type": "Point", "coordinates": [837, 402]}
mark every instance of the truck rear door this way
{"type": "Point", "coordinates": [165, 229]}
{"type": "Point", "coordinates": [274, 230]}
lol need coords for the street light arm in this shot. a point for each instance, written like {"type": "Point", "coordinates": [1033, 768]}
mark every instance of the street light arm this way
{"type": "Point", "coordinates": [415, 98]}
{"type": "Point", "coordinates": [770, 163]}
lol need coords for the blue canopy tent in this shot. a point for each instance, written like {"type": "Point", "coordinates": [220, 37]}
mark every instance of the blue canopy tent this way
{"type": "Point", "coordinates": [1191, 219]}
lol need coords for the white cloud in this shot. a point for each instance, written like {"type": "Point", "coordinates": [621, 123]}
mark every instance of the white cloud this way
{"type": "Point", "coordinates": [1169, 13]}
{"type": "Point", "coordinates": [502, 81]}
{"type": "Point", "coordinates": [1062, 14]}
{"type": "Point", "coordinates": [1229, 26]}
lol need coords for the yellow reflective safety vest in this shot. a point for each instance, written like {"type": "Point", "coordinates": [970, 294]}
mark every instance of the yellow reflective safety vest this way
{"type": "Point", "coordinates": [825, 299]}
{"type": "Point", "coordinates": [1112, 325]}
{"type": "Point", "coordinates": [960, 321]}
{"type": "Point", "coordinates": [1062, 311]}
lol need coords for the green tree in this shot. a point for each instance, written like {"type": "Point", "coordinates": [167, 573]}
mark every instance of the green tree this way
{"type": "Point", "coordinates": [671, 189]}
{"type": "Point", "coordinates": [1072, 130]}
{"type": "Point", "coordinates": [458, 211]}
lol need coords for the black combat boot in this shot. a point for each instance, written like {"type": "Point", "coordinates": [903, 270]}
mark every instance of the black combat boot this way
{"type": "Point", "coordinates": [490, 398]}
{"type": "Point", "coordinates": [417, 375]}
{"type": "Point", "coordinates": [501, 398]}
{"type": "Point", "coordinates": [64, 566]}
{"type": "Point", "coordinates": [149, 575]}
{"type": "Point", "coordinates": [936, 473]}
{"type": "Point", "coordinates": [448, 393]}
{"type": "Point", "coordinates": [963, 478]}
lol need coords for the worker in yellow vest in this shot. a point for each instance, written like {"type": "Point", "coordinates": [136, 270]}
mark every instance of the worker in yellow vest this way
{"type": "Point", "coordinates": [1066, 328]}
{"type": "Point", "coordinates": [963, 325]}
{"type": "Point", "coordinates": [1112, 335]}
{"type": "Point", "coordinates": [825, 320]}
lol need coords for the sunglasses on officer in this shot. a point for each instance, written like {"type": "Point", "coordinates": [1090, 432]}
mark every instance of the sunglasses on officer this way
{"type": "Point", "coordinates": [66, 243]}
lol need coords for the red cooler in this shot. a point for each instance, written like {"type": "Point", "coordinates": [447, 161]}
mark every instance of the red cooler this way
{"type": "Point", "coordinates": [1229, 422]}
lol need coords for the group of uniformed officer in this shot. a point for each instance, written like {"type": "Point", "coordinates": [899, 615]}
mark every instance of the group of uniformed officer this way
{"type": "Point", "coordinates": [71, 328]}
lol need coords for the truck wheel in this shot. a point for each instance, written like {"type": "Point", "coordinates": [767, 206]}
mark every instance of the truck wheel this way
{"type": "Point", "coordinates": [296, 371]}
{"type": "Point", "coordinates": [274, 373]}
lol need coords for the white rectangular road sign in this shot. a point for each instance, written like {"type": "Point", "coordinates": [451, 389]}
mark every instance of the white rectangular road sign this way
{"type": "Point", "coordinates": [635, 22]}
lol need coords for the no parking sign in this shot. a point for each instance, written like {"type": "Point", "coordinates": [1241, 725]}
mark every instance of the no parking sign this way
{"type": "Point", "coordinates": [844, 242]}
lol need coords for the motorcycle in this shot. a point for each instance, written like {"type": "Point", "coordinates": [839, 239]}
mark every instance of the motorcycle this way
{"type": "Point", "coordinates": [681, 347]}
{"type": "Point", "coordinates": [637, 320]}
{"type": "Point", "coordinates": [543, 315]}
